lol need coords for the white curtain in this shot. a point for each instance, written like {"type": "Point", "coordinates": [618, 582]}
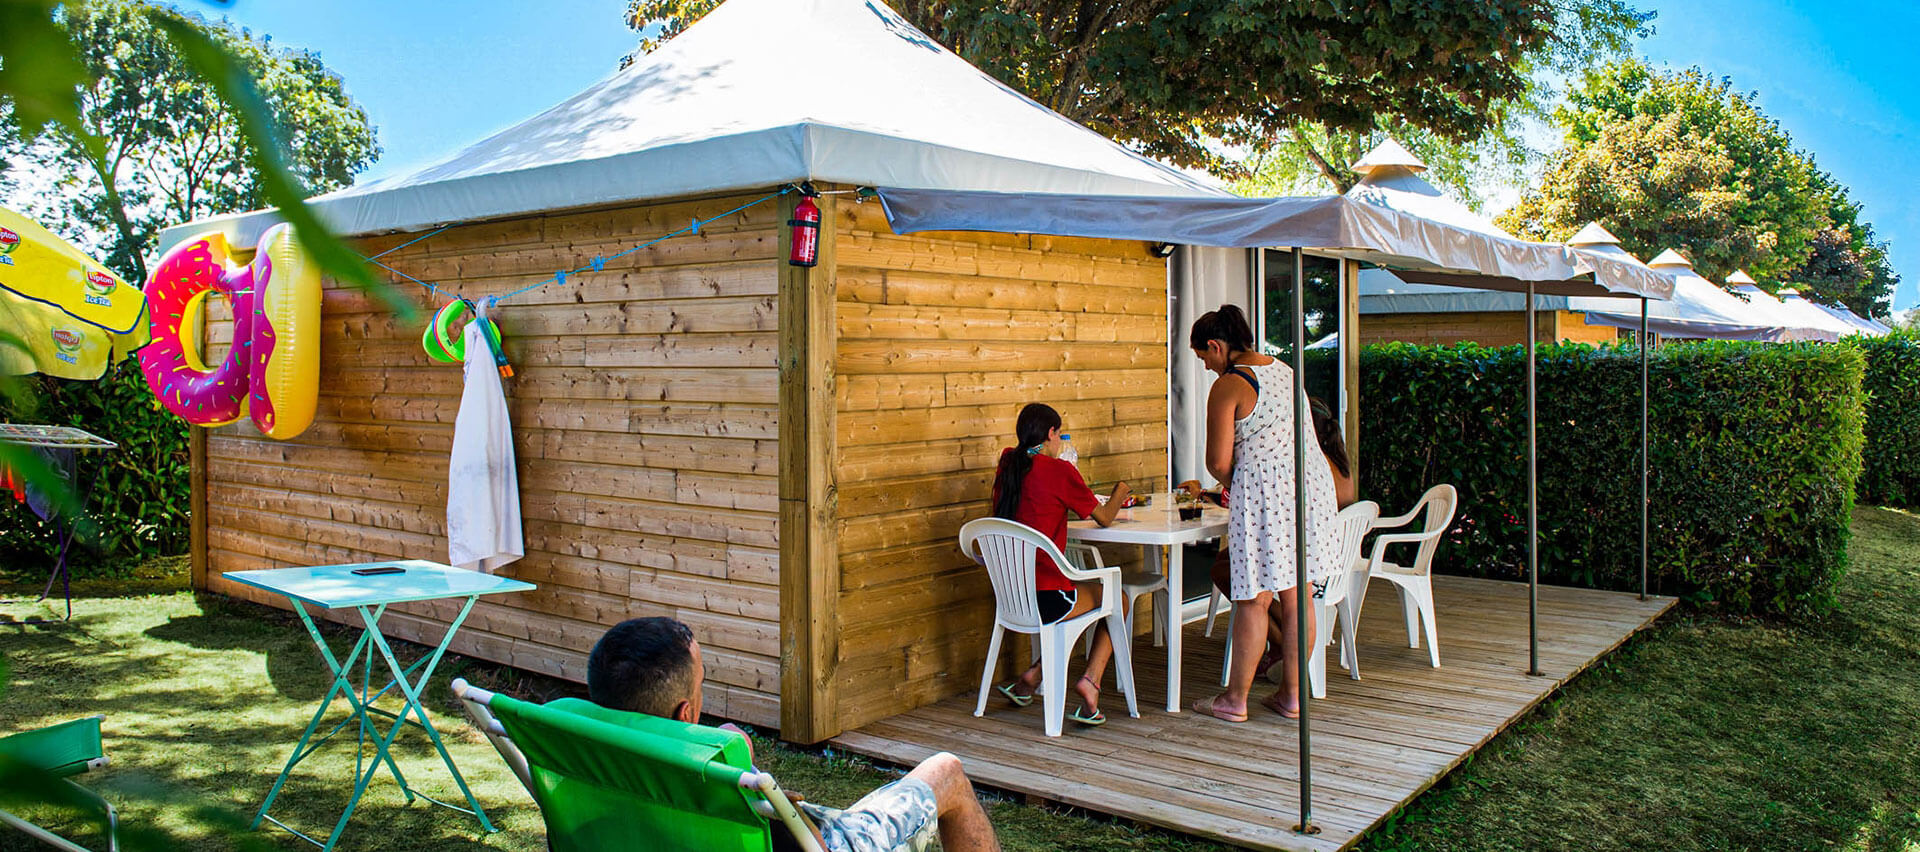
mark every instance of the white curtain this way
{"type": "Point", "coordinates": [1199, 279]}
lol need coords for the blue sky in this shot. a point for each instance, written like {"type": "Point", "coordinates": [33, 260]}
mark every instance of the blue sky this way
{"type": "Point", "coordinates": [1840, 78]}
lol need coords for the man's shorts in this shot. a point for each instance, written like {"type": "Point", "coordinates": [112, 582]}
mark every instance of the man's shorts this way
{"type": "Point", "coordinates": [899, 817]}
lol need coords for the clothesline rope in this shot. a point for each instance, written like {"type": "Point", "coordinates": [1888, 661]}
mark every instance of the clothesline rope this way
{"type": "Point", "coordinates": [596, 264]}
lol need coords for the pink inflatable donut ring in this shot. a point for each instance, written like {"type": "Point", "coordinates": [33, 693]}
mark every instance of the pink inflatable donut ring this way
{"type": "Point", "coordinates": [176, 293]}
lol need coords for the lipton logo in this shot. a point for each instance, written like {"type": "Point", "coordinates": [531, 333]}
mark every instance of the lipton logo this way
{"type": "Point", "coordinates": [100, 283]}
{"type": "Point", "coordinates": [8, 241]}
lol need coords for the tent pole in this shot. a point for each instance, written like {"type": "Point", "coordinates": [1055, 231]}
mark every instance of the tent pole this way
{"type": "Point", "coordinates": [1644, 500]}
{"type": "Point", "coordinates": [1301, 419]}
{"type": "Point", "coordinates": [1533, 499]}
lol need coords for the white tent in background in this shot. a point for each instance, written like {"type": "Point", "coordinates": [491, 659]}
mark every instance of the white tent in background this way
{"type": "Point", "coordinates": [1812, 316]}
{"type": "Point", "coordinates": [1699, 308]}
{"type": "Point", "coordinates": [1775, 311]}
{"type": "Point", "coordinates": [717, 110]}
{"type": "Point", "coordinates": [1827, 317]}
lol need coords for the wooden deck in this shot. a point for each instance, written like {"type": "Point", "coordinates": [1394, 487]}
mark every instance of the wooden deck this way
{"type": "Point", "coordinates": [1377, 742]}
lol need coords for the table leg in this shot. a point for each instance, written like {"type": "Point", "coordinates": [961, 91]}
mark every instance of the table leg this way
{"type": "Point", "coordinates": [341, 684]}
{"type": "Point", "coordinates": [1175, 626]}
{"type": "Point", "coordinates": [411, 691]}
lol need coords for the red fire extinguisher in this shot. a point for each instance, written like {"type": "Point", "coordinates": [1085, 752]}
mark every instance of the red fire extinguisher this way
{"type": "Point", "coordinates": [806, 233]}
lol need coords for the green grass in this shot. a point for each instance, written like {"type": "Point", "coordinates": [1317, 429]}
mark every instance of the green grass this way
{"type": "Point", "coordinates": [1705, 733]}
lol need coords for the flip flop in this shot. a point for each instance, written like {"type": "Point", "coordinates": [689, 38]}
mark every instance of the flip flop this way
{"type": "Point", "coordinates": [1279, 708]}
{"type": "Point", "coordinates": [1205, 708]}
{"type": "Point", "coordinates": [1015, 697]}
{"type": "Point", "coordinates": [1094, 721]}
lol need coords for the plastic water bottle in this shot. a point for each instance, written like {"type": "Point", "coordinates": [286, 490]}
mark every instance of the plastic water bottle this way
{"type": "Point", "coordinates": [1067, 453]}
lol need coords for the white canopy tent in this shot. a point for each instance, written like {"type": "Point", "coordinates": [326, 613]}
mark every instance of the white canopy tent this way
{"type": "Point", "coordinates": [1699, 308]}
{"type": "Point", "coordinates": [1776, 312]}
{"type": "Point", "coordinates": [1816, 316]}
{"type": "Point", "coordinates": [724, 107]}
{"type": "Point", "coordinates": [1867, 326]}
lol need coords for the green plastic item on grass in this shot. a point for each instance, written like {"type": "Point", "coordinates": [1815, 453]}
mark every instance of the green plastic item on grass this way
{"type": "Point", "coordinates": [610, 780]}
{"type": "Point", "coordinates": [63, 751]}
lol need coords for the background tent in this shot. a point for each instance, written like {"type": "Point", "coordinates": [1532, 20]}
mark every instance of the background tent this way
{"type": "Point", "coordinates": [1816, 316]}
{"type": "Point", "coordinates": [1776, 312]}
{"type": "Point", "coordinates": [1699, 308]}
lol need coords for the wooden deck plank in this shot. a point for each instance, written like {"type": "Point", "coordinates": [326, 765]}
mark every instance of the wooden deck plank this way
{"type": "Point", "coordinates": [1378, 741]}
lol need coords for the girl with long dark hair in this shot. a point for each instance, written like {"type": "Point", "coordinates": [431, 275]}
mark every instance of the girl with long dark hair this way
{"type": "Point", "coordinates": [1035, 487]}
{"type": "Point", "coordinates": [1250, 444]}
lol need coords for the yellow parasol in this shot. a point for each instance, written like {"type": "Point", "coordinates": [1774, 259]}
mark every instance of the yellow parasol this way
{"type": "Point", "coordinates": [61, 312]}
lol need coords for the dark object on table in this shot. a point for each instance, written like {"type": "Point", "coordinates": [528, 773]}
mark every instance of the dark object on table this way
{"type": "Point", "coordinates": [379, 570]}
{"type": "Point", "coordinates": [1190, 513]}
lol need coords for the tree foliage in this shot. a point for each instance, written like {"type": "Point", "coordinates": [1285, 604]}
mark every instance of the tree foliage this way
{"type": "Point", "coordinates": [1312, 157]}
{"type": "Point", "coordinates": [1175, 78]}
{"type": "Point", "coordinates": [155, 145]}
{"type": "Point", "coordinates": [1681, 160]}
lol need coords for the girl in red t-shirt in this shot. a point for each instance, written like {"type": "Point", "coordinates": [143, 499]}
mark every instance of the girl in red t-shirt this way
{"type": "Point", "coordinates": [1034, 487]}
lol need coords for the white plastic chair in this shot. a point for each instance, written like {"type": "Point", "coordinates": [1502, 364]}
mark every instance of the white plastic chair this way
{"type": "Point", "coordinates": [1007, 550]}
{"type": "Point", "coordinates": [1133, 584]}
{"type": "Point", "coordinates": [1354, 522]}
{"type": "Point", "coordinates": [1353, 533]}
{"type": "Point", "coordinates": [1415, 582]}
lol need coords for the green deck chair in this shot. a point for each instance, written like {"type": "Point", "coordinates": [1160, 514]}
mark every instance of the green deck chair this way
{"type": "Point", "coordinates": [611, 780]}
{"type": "Point", "coordinates": [63, 751]}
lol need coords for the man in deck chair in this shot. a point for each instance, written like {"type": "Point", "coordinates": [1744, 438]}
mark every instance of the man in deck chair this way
{"type": "Point", "coordinates": [652, 666]}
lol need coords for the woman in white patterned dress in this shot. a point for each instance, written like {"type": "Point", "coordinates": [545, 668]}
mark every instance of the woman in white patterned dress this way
{"type": "Point", "coordinates": [1250, 437]}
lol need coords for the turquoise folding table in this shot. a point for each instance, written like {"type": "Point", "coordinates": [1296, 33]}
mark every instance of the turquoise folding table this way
{"type": "Point", "coordinates": [338, 587]}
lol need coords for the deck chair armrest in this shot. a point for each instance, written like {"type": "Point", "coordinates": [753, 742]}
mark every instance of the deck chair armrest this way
{"type": "Point", "coordinates": [793, 819]}
{"type": "Point", "coordinates": [473, 701]}
{"type": "Point", "coordinates": [1401, 520]}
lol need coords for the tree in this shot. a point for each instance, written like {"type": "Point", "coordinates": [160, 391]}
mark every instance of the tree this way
{"type": "Point", "coordinates": [1681, 160]}
{"type": "Point", "coordinates": [1311, 157]}
{"type": "Point", "coordinates": [153, 145]}
{"type": "Point", "coordinates": [1178, 79]}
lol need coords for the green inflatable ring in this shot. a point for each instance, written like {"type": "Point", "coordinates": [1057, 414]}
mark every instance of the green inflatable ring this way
{"type": "Point", "coordinates": [444, 346]}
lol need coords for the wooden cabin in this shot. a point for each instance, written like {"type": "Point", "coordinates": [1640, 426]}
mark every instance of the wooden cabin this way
{"type": "Point", "coordinates": [781, 457]}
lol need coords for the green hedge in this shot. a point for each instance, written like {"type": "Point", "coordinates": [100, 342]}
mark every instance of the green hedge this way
{"type": "Point", "coordinates": [1755, 451]}
{"type": "Point", "coordinates": [138, 494]}
{"type": "Point", "coordinates": [1892, 473]}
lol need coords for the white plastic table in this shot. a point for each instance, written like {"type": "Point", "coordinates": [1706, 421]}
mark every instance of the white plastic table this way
{"type": "Point", "coordinates": [337, 587]}
{"type": "Point", "coordinates": [1154, 527]}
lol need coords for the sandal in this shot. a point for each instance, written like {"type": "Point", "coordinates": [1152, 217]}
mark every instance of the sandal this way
{"type": "Point", "coordinates": [1015, 697]}
{"type": "Point", "coordinates": [1091, 720]}
{"type": "Point", "coordinates": [1272, 702]}
{"type": "Point", "coordinates": [1094, 721]}
{"type": "Point", "coordinates": [1205, 707]}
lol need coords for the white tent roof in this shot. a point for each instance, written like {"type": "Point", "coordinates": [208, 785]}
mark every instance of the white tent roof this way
{"type": "Point", "coordinates": [1866, 326]}
{"type": "Point", "coordinates": [1390, 177]}
{"type": "Point", "coordinates": [1699, 308]}
{"type": "Point", "coordinates": [1814, 316]}
{"type": "Point", "coordinates": [753, 96]}
{"type": "Point", "coordinates": [1777, 312]}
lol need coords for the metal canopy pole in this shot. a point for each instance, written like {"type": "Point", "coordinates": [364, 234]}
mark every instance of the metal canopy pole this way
{"type": "Point", "coordinates": [1533, 501]}
{"type": "Point", "coordinates": [1301, 602]}
{"type": "Point", "coordinates": [1645, 501]}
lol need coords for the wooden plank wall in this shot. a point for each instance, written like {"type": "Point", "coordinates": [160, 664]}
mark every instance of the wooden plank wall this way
{"type": "Point", "coordinates": [1488, 328]}
{"type": "Point", "coordinates": [942, 338]}
{"type": "Point", "coordinates": [645, 412]}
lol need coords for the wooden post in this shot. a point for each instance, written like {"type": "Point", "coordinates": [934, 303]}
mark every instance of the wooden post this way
{"type": "Point", "coordinates": [1350, 363]}
{"type": "Point", "coordinates": [197, 506]}
{"type": "Point", "coordinates": [809, 545]}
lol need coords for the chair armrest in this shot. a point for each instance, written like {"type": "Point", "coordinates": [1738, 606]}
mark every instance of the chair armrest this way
{"type": "Point", "coordinates": [1085, 557]}
{"type": "Point", "coordinates": [1380, 543]}
{"type": "Point", "coordinates": [473, 702]}
{"type": "Point", "coordinates": [1399, 520]}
